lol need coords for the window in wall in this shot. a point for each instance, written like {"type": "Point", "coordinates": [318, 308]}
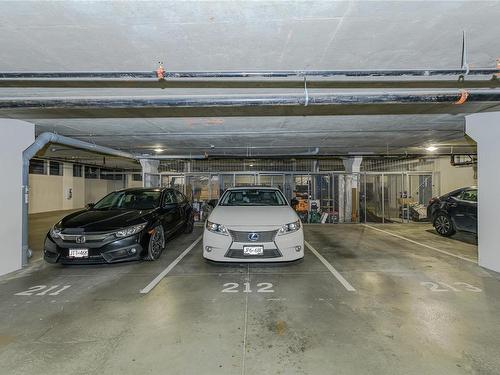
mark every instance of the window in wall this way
{"type": "Point", "coordinates": [77, 170]}
{"type": "Point", "coordinates": [111, 174]}
{"type": "Point", "coordinates": [55, 168]}
{"type": "Point", "coordinates": [91, 172]}
{"type": "Point", "coordinates": [37, 166]}
{"type": "Point", "coordinates": [137, 177]}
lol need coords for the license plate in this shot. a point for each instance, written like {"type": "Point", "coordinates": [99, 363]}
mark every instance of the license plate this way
{"type": "Point", "coordinates": [78, 253]}
{"type": "Point", "coordinates": [253, 250]}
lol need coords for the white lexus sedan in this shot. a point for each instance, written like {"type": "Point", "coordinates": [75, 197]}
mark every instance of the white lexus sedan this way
{"type": "Point", "coordinates": [253, 224]}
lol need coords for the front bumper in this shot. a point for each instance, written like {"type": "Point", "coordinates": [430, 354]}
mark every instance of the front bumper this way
{"type": "Point", "coordinates": [284, 248]}
{"type": "Point", "coordinates": [123, 249]}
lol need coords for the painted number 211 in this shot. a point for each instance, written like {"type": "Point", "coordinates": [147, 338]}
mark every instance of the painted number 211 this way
{"type": "Point", "coordinates": [42, 290]}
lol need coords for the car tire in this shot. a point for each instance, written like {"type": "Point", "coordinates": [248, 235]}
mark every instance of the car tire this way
{"type": "Point", "coordinates": [444, 225]}
{"type": "Point", "coordinates": [156, 244]}
{"type": "Point", "coordinates": [189, 226]}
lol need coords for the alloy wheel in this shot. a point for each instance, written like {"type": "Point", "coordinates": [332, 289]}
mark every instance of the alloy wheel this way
{"type": "Point", "coordinates": [442, 224]}
{"type": "Point", "coordinates": [157, 242]}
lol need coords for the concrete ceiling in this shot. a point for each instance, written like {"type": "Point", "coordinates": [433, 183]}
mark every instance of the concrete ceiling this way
{"type": "Point", "coordinates": [225, 35]}
{"type": "Point", "coordinates": [89, 36]}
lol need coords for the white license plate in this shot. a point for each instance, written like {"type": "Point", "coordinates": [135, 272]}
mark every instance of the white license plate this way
{"type": "Point", "coordinates": [253, 250]}
{"type": "Point", "coordinates": [78, 253]}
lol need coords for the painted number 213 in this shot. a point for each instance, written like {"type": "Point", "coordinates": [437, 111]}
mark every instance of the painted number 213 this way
{"type": "Point", "coordinates": [456, 287]}
{"type": "Point", "coordinates": [233, 288]}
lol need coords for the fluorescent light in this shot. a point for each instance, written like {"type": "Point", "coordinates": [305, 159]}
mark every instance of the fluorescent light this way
{"type": "Point", "coordinates": [431, 148]}
{"type": "Point", "coordinates": [158, 150]}
{"type": "Point", "coordinates": [251, 165]}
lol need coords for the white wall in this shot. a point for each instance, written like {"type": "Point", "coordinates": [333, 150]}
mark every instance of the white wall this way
{"type": "Point", "coordinates": [484, 128]}
{"type": "Point", "coordinates": [50, 193]}
{"type": "Point", "coordinates": [17, 136]}
{"type": "Point", "coordinates": [131, 183]}
{"type": "Point", "coordinates": [451, 177]}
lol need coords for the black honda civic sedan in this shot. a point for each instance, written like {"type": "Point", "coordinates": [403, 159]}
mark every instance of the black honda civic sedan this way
{"type": "Point", "coordinates": [455, 211]}
{"type": "Point", "coordinates": [128, 224]}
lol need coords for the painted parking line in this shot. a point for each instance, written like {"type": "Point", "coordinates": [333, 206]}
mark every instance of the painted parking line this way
{"type": "Point", "coordinates": [334, 272]}
{"type": "Point", "coordinates": [169, 268]}
{"type": "Point", "coordinates": [421, 244]}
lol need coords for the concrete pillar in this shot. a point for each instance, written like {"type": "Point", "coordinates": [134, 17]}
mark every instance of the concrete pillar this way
{"type": "Point", "coordinates": [150, 175]}
{"type": "Point", "coordinates": [16, 137]}
{"type": "Point", "coordinates": [484, 128]}
{"type": "Point", "coordinates": [353, 167]}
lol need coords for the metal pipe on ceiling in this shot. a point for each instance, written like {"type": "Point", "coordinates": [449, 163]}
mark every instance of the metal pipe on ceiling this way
{"type": "Point", "coordinates": [317, 79]}
{"type": "Point", "coordinates": [250, 73]}
{"type": "Point", "coordinates": [172, 157]}
{"type": "Point", "coordinates": [312, 99]}
{"type": "Point", "coordinates": [204, 83]}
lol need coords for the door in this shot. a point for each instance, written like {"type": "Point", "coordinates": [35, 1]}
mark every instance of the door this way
{"type": "Point", "coordinates": [457, 209]}
{"type": "Point", "coordinates": [469, 201]}
{"type": "Point", "coordinates": [171, 215]}
{"type": "Point", "coordinates": [184, 207]}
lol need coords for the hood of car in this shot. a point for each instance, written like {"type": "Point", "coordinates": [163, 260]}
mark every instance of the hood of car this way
{"type": "Point", "coordinates": [232, 216]}
{"type": "Point", "coordinates": [104, 220]}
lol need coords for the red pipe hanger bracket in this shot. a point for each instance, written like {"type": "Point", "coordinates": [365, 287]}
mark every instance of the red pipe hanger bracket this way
{"type": "Point", "coordinates": [160, 72]}
{"type": "Point", "coordinates": [464, 94]}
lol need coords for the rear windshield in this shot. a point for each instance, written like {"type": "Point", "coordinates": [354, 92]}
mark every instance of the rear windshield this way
{"type": "Point", "coordinates": [253, 197]}
{"type": "Point", "coordinates": [130, 200]}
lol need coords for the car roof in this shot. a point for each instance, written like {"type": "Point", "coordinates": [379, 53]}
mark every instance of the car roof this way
{"type": "Point", "coordinates": [459, 190]}
{"type": "Point", "coordinates": [252, 187]}
{"type": "Point", "coordinates": [146, 189]}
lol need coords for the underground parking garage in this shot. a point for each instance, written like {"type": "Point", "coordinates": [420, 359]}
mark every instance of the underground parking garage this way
{"type": "Point", "coordinates": [249, 187]}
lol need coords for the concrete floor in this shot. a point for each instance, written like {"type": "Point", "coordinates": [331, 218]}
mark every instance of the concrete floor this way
{"type": "Point", "coordinates": [415, 310]}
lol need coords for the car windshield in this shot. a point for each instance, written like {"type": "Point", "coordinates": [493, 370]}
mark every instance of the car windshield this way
{"type": "Point", "coordinates": [253, 197]}
{"type": "Point", "coordinates": [130, 200]}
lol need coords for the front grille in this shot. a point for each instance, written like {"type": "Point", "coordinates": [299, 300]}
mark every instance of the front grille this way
{"type": "Point", "coordinates": [92, 259]}
{"type": "Point", "coordinates": [238, 253]}
{"type": "Point", "coordinates": [89, 237]}
{"type": "Point", "coordinates": [266, 236]}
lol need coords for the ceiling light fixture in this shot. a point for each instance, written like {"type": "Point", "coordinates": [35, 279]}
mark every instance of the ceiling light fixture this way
{"type": "Point", "coordinates": [158, 150]}
{"type": "Point", "coordinates": [431, 148]}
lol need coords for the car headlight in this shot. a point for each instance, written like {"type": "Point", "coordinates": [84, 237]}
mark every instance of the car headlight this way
{"type": "Point", "coordinates": [289, 228]}
{"type": "Point", "coordinates": [130, 230]}
{"type": "Point", "coordinates": [217, 228]}
{"type": "Point", "coordinates": [55, 232]}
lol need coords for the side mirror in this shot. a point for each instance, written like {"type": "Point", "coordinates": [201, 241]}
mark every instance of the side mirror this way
{"type": "Point", "coordinates": [90, 206]}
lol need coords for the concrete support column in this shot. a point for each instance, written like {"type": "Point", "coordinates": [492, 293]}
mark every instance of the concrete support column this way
{"type": "Point", "coordinates": [484, 128]}
{"type": "Point", "coordinates": [150, 174]}
{"type": "Point", "coordinates": [16, 137]}
{"type": "Point", "coordinates": [352, 167]}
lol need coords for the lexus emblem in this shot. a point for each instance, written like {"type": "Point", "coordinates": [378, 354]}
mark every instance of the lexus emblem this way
{"type": "Point", "coordinates": [253, 236]}
{"type": "Point", "coordinates": [80, 239]}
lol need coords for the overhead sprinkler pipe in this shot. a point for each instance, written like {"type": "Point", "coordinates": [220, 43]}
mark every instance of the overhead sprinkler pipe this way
{"type": "Point", "coordinates": [172, 157]}
{"type": "Point", "coordinates": [408, 78]}
{"type": "Point", "coordinates": [248, 74]}
{"type": "Point", "coordinates": [130, 102]}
